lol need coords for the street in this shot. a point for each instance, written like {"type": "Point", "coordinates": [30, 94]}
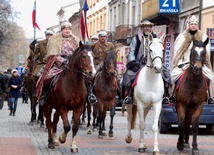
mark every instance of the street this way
{"type": "Point", "coordinates": [17, 137]}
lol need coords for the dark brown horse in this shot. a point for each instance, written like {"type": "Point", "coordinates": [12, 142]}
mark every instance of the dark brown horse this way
{"type": "Point", "coordinates": [105, 90]}
{"type": "Point", "coordinates": [70, 93]}
{"type": "Point", "coordinates": [29, 82]}
{"type": "Point", "coordinates": [191, 96]}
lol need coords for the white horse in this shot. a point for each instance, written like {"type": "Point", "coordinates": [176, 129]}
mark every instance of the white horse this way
{"type": "Point", "coordinates": [148, 93]}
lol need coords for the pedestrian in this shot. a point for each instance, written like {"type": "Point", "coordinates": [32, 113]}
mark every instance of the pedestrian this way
{"type": "Point", "coordinates": [182, 48]}
{"type": "Point", "coordinates": [15, 84]}
{"type": "Point", "coordinates": [137, 58]}
{"type": "Point", "coordinates": [2, 89]}
{"type": "Point", "coordinates": [59, 47]}
{"type": "Point", "coordinates": [7, 76]}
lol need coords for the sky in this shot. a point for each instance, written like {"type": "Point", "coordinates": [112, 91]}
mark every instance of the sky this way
{"type": "Point", "coordinates": [46, 11]}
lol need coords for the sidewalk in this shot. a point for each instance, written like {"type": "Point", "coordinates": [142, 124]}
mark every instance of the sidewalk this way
{"type": "Point", "coordinates": [18, 138]}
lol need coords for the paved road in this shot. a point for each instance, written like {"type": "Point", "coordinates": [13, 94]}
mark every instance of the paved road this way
{"type": "Point", "coordinates": [17, 137]}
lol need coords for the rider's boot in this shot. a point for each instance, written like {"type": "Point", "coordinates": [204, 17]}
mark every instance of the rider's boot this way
{"type": "Point", "coordinates": [166, 93]}
{"type": "Point", "coordinates": [91, 97]}
{"type": "Point", "coordinates": [129, 98]}
{"type": "Point", "coordinates": [43, 97]}
{"type": "Point", "coordinates": [210, 100]}
{"type": "Point", "coordinates": [172, 98]}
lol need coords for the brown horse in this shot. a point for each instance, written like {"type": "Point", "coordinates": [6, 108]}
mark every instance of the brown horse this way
{"type": "Point", "coordinates": [70, 93]}
{"type": "Point", "coordinates": [29, 82]}
{"type": "Point", "coordinates": [190, 97]}
{"type": "Point", "coordinates": [105, 90]}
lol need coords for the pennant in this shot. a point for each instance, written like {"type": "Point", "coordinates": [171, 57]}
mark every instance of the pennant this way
{"type": "Point", "coordinates": [34, 16]}
{"type": "Point", "coordinates": [83, 23]}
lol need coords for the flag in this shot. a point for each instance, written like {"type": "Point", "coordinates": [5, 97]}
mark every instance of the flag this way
{"type": "Point", "coordinates": [83, 23]}
{"type": "Point", "coordinates": [34, 16]}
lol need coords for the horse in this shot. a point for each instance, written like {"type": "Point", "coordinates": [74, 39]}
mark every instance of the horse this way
{"type": "Point", "coordinates": [70, 93]}
{"type": "Point", "coordinates": [148, 92]}
{"type": "Point", "coordinates": [105, 89]}
{"type": "Point", "coordinates": [29, 83]}
{"type": "Point", "coordinates": [190, 97]}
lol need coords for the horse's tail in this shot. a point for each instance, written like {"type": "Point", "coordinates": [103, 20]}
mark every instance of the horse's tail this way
{"type": "Point", "coordinates": [134, 115]}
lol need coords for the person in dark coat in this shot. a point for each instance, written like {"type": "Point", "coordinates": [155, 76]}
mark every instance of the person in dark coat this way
{"type": "Point", "coordinates": [15, 84]}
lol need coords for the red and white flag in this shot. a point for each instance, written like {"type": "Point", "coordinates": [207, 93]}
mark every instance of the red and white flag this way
{"type": "Point", "coordinates": [83, 23]}
{"type": "Point", "coordinates": [34, 16]}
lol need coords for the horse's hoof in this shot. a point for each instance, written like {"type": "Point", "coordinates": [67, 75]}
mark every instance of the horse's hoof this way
{"type": "Point", "coordinates": [156, 153]}
{"type": "Point", "coordinates": [104, 133]}
{"type": "Point", "coordinates": [110, 134]}
{"type": "Point", "coordinates": [94, 129]}
{"type": "Point", "coordinates": [89, 132]}
{"type": "Point", "coordinates": [195, 152]}
{"type": "Point", "coordinates": [186, 145]}
{"type": "Point", "coordinates": [61, 141]}
{"type": "Point", "coordinates": [100, 136]}
{"type": "Point", "coordinates": [51, 146]}
{"type": "Point", "coordinates": [74, 150]}
{"type": "Point", "coordinates": [180, 147]}
{"type": "Point", "coordinates": [30, 123]}
{"type": "Point", "coordinates": [141, 150]}
{"type": "Point", "coordinates": [56, 143]}
{"type": "Point", "coordinates": [128, 139]}
{"type": "Point", "coordinates": [42, 126]}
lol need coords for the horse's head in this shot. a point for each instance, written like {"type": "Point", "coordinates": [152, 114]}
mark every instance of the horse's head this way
{"type": "Point", "coordinates": [83, 59]}
{"type": "Point", "coordinates": [155, 55]}
{"type": "Point", "coordinates": [198, 55]}
{"type": "Point", "coordinates": [110, 64]}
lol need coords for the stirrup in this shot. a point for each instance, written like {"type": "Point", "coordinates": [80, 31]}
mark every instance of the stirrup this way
{"type": "Point", "coordinates": [165, 100]}
{"type": "Point", "coordinates": [92, 99]}
{"type": "Point", "coordinates": [210, 101]}
{"type": "Point", "coordinates": [127, 100]}
{"type": "Point", "coordinates": [42, 100]}
{"type": "Point", "coordinates": [172, 99]}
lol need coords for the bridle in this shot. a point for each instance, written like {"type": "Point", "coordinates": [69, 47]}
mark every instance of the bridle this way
{"type": "Point", "coordinates": [153, 59]}
{"type": "Point", "coordinates": [106, 69]}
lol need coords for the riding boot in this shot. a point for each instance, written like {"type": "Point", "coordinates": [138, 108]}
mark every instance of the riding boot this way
{"type": "Point", "coordinates": [91, 97]}
{"type": "Point", "coordinates": [172, 98]}
{"type": "Point", "coordinates": [129, 98]}
{"type": "Point", "coordinates": [166, 93]}
{"type": "Point", "coordinates": [210, 100]}
{"type": "Point", "coordinates": [43, 97]}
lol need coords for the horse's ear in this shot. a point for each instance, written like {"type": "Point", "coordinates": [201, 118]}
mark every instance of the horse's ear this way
{"type": "Point", "coordinates": [80, 43]}
{"type": "Point", "coordinates": [162, 38]}
{"type": "Point", "coordinates": [206, 41]}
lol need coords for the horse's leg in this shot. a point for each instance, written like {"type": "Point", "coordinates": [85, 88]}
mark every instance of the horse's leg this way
{"type": "Point", "coordinates": [83, 115]}
{"type": "Point", "coordinates": [129, 107]}
{"type": "Point", "coordinates": [112, 113]}
{"type": "Point", "coordinates": [66, 125]}
{"type": "Point", "coordinates": [95, 117]}
{"type": "Point", "coordinates": [89, 130]}
{"type": "Point", "coordinates": [142, 148]}
{"type": "Point", "coordinates": [100, 122]}
{"type": "Point", "coordinates": [46, 110]}
{"type": "Point", "coordinates": [188, 121]}
{"type": "Point", "coordinates": [195, 126]}
{"type": "Point", "coordinates": [54, 126]}
{"type": "Point", "coordinates": [181, 125]}
{"type": "Point", "coordinates": [41, 117]}
{"type": "Point", "coordinates": [75, 128]}
{"type": "Point", "coordinates": [157, 110]}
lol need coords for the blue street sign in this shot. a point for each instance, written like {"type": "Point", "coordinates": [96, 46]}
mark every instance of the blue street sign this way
{"type": "Point", "coordinates": [169, 6]}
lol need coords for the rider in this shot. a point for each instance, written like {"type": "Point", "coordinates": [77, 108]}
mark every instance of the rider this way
{"type": "Point", "coordinates": [59, 47]}
{"type": "Point", "coordinates": [137, 58]}
{"type": "Point", "coordinates": [99, 48]}
{"type": "Point", "coordinates": [182, 48]}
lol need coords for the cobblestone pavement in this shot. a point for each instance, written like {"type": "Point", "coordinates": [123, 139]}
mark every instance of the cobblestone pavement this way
{"type": "Point", "coordinates": [19, 138]}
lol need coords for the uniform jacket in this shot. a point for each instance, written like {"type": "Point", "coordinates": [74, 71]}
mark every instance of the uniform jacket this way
{"type": "Point", "coordinates": [100, 50]}
{"type": "Point", "coordinates": [15, 81]}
